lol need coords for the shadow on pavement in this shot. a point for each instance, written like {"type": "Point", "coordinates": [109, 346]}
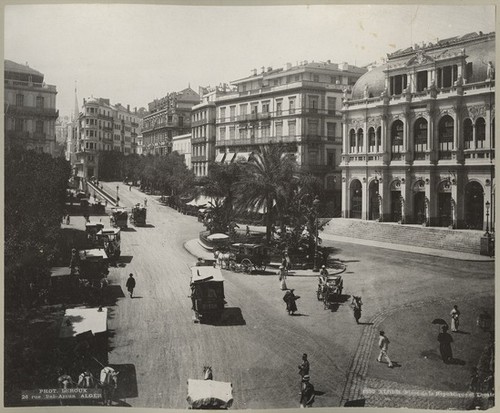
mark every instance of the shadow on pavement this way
{"type": "Point", "coordinates": [231, 316]}
{"type": "Point", "coordinates": [125, 259]}
{"type": "Point", "coordinates": [462, 332]}
{"type": "Point", "coordinates": [455, 361]}
{"type": "Point", "coordinates": [355, 403]}
{"type": "Point", "coordinates": [128, 229]}
{"type": "Point", "coordinates": [148, 226]}
{"type": "Point", "coordinates": [127, 382]}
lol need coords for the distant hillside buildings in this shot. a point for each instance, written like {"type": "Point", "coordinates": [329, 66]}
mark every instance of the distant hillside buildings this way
{"type": "Point", "coordinates": [29, 108]}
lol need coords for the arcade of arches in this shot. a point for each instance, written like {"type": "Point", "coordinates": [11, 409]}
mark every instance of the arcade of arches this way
{"type": "Point", "coordinates": [445, 201]}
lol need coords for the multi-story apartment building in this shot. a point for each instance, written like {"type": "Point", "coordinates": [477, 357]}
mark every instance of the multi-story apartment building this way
{"type": "Point", "coordinates": [203, 129]}
{"type": "Point", "coordinates": [168, 117]}
{"type": "Point", "coordinates": [30, 109]}
{"type": "Point", "coordinates": [419, 136]}
{"type": "Point", "coordinates": [299, 106]}
{"type": "Point", "coordinates": [182, 145]}
{"type": "Point", "coordinates": [101, 127]}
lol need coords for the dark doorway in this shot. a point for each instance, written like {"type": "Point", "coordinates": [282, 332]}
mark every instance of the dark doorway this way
{"type": "Point", "coordinates": [356, 199]}
{"type": "Point", "coordinates": [419, 207]}
{"type": "Point", "coordinates": [396, 205]}
{"type": "Point", "coordinates": [474, 202]}
{"type": "Point", "coordinates": [374, 210]}
{"type": "Point", "coordinates": [444, 209]}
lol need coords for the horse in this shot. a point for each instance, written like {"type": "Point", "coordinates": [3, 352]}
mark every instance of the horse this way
{"type": "Point", "coordinates": [207, 373]}
{"type": "Point", "coordinates": [224, 258]}
{"type": "Point", "coordinates": [109, 383]}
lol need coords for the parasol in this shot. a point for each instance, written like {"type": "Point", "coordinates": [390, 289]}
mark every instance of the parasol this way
{"type": "Point", "coordinates": [439, 322]}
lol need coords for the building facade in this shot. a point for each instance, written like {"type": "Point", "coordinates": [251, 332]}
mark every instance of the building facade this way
{"type": "Point", "coordinates": [203, 129]}
{"type": "Point", "coordinates": [182, 145]}
{"type": "Point", "coordinates": [101, 126]}
{"type": "Point", "coordinates": [299, 106]}
{"type": "Point", "coordinates": [168, 117]}
{"type": "Point", "coordinates": [419, 136]}
{"type": "Point", "coordinates": [30, 109]}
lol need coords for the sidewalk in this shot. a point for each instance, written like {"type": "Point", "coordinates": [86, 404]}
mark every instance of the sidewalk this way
{"type": "Point", "coordinates": [397, 247]}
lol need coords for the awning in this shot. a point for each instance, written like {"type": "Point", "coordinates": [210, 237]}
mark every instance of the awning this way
{"type": "Point", "coordinates": [80, 320]}
{"type": "Point", "coordinates": [242, 156]}
{"type": "Point", "coordinates": [220, 157]}
{"type": "Point", "coordinates": [229, 157]}
{"type": "Point", "coordinates": [217, 236]}
{"type": "Point", "coordinates": [202, 200]}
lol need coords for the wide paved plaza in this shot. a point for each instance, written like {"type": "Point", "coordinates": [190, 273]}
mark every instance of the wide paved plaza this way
{"type": "Point", "coordinates": [259, 346]}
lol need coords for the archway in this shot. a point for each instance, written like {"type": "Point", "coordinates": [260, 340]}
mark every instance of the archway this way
{"type": "Point", "coordinates": [356, 199]}
{"type": "Point", "coordinates": [374, 208]}
{"type": "Point", "coordinates": [474, 202]}
{"type": "Point", "coordinates": [396, 201]}
{"type": "Point", "coordinates": [445, 218]}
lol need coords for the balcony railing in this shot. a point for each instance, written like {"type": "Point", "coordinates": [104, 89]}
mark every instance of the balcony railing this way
{"type": "Point", "coordinates": [33, 111]}
{"type": "Point", "coordinates": [200, 158]}
{"type": "Point", "coordinates": [253, 117]}
{"type": "Point", "coordinates": [20, 83]}
{"type": "Point", "coordinates": [257, 141]}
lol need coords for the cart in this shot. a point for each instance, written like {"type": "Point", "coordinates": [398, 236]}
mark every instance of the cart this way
{"type": "Point", "coordinates": [138, 215]}
{"type": "Point", "coordinates": [249, 257]}
{"type": "Point", "coordinates": [331, 291]}
{"type": "Point", "coordinates": [110, 240]}
{"type": "Point", "coordinates": [93, 264]}
{"type": "Point", "coordinates": [207, 293]}
{"type": "Point", "coordinates": [119, 217]}
{"type": "Point", "coordinates": [209, 394]}
{"type": "Point", "coordinates": [92, 228]}
{"type": "Point", "coordinates": [64, 286]}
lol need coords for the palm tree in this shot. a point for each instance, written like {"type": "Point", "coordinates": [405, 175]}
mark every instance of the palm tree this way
{"type": "Point", "coordinates": [267, 181]}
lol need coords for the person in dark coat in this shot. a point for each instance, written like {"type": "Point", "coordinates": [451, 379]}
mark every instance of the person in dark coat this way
{"type": "Point", "coordinates": [304, 367]}
{"type": "Point", "coordinates": [445, 340]}
{"type": "Point", "coordinates": [130, 284]}
{"type": "Point", "coordinates": [289, 298]}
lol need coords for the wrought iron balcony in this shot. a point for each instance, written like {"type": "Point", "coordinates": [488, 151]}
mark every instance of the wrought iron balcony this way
{"type": "Point", "coordinates": [33, 111]}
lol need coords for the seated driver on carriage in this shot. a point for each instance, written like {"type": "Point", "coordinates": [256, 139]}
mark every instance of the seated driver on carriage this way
{"type": "Point", "coordinates": [323, 278]}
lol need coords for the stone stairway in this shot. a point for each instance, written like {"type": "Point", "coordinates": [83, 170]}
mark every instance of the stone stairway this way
{"type": "Point", "coordinates": [467, 241]}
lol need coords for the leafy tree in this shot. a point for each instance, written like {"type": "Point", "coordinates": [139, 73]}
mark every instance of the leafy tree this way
{"type": "Point", "coordinates": [267, 181]}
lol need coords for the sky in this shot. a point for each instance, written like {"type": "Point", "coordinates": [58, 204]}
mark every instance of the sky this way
{"type": "Point", "coordinates": [133, 54]}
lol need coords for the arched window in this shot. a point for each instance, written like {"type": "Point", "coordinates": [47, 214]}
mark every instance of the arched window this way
{"type": "Point", "coordinates": [480, 132]}
{"type": "Point", "coordinates": [420, 138]}
{"type": "Point", "coordinates": [372, 143]}
{"type": "Point", "coordinates": [493, 133]}
{"type": "Point", "coordinates": [468, 137]}
{"type": "Point", "coordinates": [445, 137]}
{"type": "Point", "coordinates": [397, 139]}
{"type": "Point", "coordinates": [352, 141]}
{"type": "Point", "coordinates": [379, 138]}
{"type": "Point", "coordinates": [360, 140]}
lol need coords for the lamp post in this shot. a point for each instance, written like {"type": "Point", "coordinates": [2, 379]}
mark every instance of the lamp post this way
{"type": "Point", "coordinates": [316, 203]}
{"type": "Point", "coordinates": [117, 197]}
{"type": "Point", "coordinates": [487, 233]}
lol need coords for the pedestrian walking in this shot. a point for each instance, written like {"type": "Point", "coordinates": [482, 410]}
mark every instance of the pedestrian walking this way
{"type": "Point", "coordinates": [356, 307]}
{"type": "Point", "coordinates": [290, 299]}
{"type": "Point", "coordinates": [247, 231]}
{"type": "Point", "coordinates": [130, 284]}
{"type": "Point", "coordinates": [145, 202]}
{"type": "Point", "coordinates": [306, 392]}
{"type": "Point", "coordinates": [67, 219]}
{"type": "Point", "coordinates": [304, 366]}
{"type": "Point", "coordinates": [455, 322]}
{"type": "Point", "coordinates": [445, 340]}
{"type": "Point", "coordinates": [383, 345]}
{"type": "Point", "coordinates": [282, 278]}
{"type": "Point", "coordinates": [130, 188]}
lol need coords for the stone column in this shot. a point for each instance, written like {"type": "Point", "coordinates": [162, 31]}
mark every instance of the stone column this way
{"type": "Point", "coordinates": [364, 199]}
{"type": "Point", "coordinates": [382, 196]}
{"type": "Point", "coordinates": [346, 138]}
{"type": "Point", "coordinates": [346, 193]}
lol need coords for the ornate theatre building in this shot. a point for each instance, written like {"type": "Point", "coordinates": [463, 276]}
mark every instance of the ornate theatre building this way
{"type": "Point", "coordinates": [419, 136]}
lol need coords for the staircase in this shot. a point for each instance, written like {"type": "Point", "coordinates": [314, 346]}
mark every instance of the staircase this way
{"type": "Point", "coordinates": [467, 241]}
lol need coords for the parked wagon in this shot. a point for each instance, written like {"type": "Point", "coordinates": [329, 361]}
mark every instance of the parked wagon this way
{"type": "Point", "coordinates": [119, 217]}
{"type": "Point", "coordinates": [110, 240]}
{"type": "Point", "coordinates": [92, 228]}
{"type": "Point", "coordinates": [248, 257]}
{"type": "Point", "coordinates": [209, 394]}
{"type": "Point", "coordinates": [138, 215]}
{"type": "Point", "coordinates": [207, 293]}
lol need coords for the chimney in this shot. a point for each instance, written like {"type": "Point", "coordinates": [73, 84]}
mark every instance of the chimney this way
{"type": "Point", "coordinates": [135, 109]}
{"type": "Point", "coordinates": [269, 68]}
{"type": "Point", "coordinates": [305, 62]}
{"type": "Point", "coordinates": [329, 61]}
{"type": "Point", "coordinates": [263, 69]}
{"type": "Point", "coordinates": [254, 72]}
{"type": "Point", "coordinates": [288, 66]}
{"type": "Point", "coordinates": [128, 108]}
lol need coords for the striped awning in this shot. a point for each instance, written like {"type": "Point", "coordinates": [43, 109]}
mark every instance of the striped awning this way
{"type": "Point", "coordinates": [229, 157]}
{"type": "Point", "coordinates": [220, 157]}
{"type": "Point", "coordinates": [243, 156]}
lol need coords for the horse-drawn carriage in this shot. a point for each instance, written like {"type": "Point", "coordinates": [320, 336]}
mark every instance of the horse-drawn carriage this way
{"type": "Point", "coordinates": [330, 290]}
{"type": "Point", "coordinates": [207, 293]}
{"type": "Point", "coordinates": [92, 228]}
{"type": "Point", "coordinates": [109, 239]}
{"type": "Point", "coordinates": [119, 217]}
{"type": "Point", "coordinates": [248, 257]}
{"type": "Point", "coordinates": [138, 215]}
{"type": "Point", "coordinates": [209, 394]}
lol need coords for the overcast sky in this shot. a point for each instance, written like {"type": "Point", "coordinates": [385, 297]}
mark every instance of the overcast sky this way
{"type": "Point", "coordinates": [133, 54]}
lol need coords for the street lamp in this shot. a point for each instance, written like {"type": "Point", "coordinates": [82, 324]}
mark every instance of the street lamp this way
{"type": "Point", "coordinates": [316, 203]}
{"type": "Point", "coordinates": [487, 233]}
{"type": "Point", "coordinates": [117, 197]}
